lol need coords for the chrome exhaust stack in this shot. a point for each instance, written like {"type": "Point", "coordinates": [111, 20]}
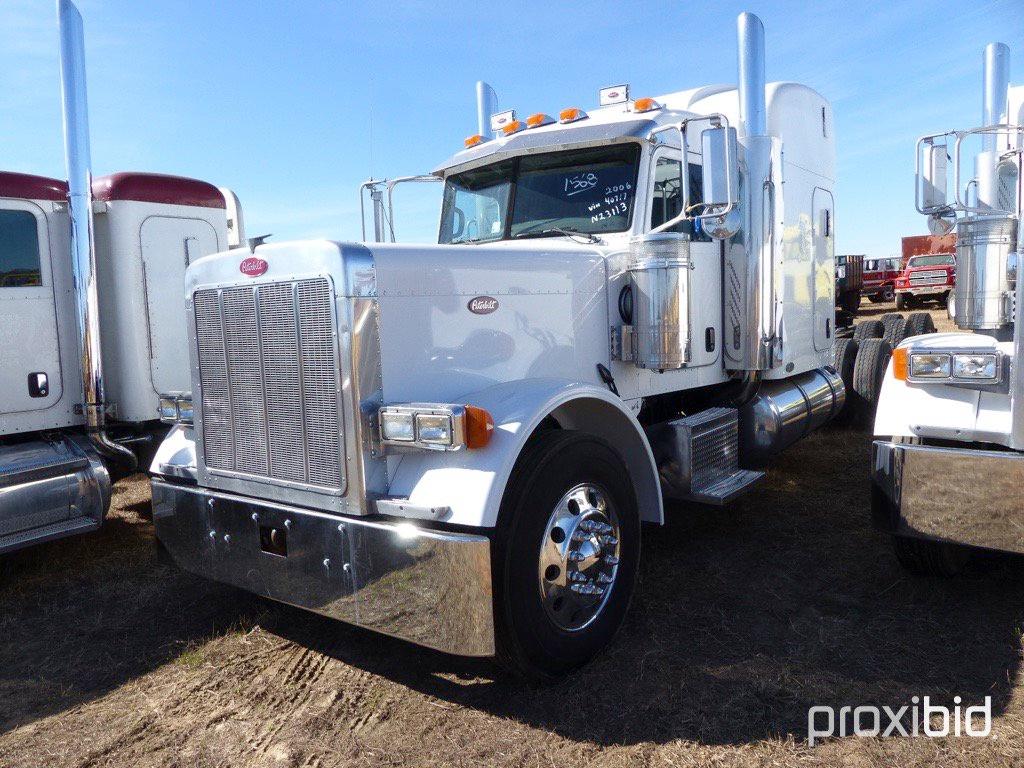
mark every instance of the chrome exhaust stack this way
{"type": "Point", "coordinates": [83, 252]}
{"type": "Point", "coordinates": [995, 111]}
{"type": "Point", "coordinates": [761, 345]}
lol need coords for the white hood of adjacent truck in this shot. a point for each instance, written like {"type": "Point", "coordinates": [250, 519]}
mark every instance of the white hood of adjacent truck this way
{"type": "Point", "coordinates": [944, 411]}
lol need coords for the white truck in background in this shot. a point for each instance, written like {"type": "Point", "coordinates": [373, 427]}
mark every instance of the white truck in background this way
{"type": "Point", "coordinates": [92, 329]}
{"type": "Point", "coordinates": [457, 443]}
{"type": "Point", "coordinates": [948, 461]}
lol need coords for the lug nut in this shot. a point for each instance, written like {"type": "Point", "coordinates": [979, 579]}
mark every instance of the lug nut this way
{"type": "Point", "coordinates": [609, 541]}
{"type": "Point", "coordinates": [610, 560]}
{"type": "Point", "coordinates": [577, 557]}
{"type": "Point", "coordinates": [604, 578]}
{"type": "Point", "coordinates": [604, 528]}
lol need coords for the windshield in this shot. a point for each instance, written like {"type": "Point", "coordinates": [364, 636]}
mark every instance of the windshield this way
{"type": "Point", "coordinates": [589, 191]}
{"type": "Point", "coordinates": [935, 260]}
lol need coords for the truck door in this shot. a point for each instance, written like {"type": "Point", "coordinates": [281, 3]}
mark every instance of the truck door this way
{"type": "Point", "coordinates": [169, 245]}
{"type": "Point", "coordinates": [823, 253]}
{"type": "Point", "coordinates": [30, 373]}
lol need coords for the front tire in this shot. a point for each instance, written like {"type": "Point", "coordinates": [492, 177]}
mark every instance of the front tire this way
{"type": "Point", "coordinates": [566, 552]}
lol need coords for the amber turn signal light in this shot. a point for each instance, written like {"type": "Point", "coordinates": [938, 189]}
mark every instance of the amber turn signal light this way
{"type": "Point", "coordinates": [899, 364]}
{"type": "Point", "coordinates": [479, 427]}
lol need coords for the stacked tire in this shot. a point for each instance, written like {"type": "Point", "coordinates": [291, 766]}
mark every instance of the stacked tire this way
{"type": "Point", "coordinates": [862, 359]}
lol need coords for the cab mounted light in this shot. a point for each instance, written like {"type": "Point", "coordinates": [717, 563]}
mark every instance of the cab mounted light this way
{"type": "Point", "coordinates": [514, 127]}
{"type": "Point", "coordinates": [645, 104]}
{"type": "Point", "coordinates": [571, 115]}
{"type": "Point", "coordinates": [472, 141]}
{"type": "Point", "coordinates": [538, 119]}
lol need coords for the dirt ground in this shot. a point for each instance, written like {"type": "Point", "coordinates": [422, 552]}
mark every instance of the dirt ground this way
{"type": "Point", "coordinates": [744, 618]}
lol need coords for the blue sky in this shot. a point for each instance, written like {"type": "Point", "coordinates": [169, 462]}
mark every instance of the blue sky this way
{"type": "Point", "coordinates": [293, 104]}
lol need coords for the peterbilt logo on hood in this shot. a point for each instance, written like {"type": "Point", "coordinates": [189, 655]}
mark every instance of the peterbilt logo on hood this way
{"type": "Point", "coordinates": [253, 266]}
{"type": "Point", "coordinates": [482, 305]}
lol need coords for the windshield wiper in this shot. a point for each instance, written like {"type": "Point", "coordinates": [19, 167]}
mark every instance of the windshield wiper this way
{"type": "Point", "coordinates": [569, 232]}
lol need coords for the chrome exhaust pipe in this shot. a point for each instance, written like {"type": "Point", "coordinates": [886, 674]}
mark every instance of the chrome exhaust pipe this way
{"type": "Point", "coordinates": [995, 84]}
{"type": "Point", "coordinates": [486, 105]}
{"type": "Point", "coordinates": [758, 338]}
{"type": "Point", "coordinates": [994, 111]}
{"type": "Point", "coordinates": [750, 42]}
{"type": "Point", "coordinates": [83, 251]}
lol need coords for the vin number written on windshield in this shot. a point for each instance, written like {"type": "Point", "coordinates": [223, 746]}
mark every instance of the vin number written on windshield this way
{"type": "Point", "coordinates": [615, 203]}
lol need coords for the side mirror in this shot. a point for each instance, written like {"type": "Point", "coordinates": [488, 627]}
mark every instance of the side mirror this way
{"type": "Point", "coordinates": [932, 177]}
{"type": "Point", "coordinates": [721, 169]}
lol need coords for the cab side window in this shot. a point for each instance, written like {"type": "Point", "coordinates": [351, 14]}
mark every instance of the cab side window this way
{"type": "Point", "coordinates": [666, 197]}
{"type": "Point", "coordinates": [19, 250]}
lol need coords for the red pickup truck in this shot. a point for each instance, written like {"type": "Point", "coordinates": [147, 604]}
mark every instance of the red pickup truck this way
{"type": "Point", "coordinates": [931, 276]}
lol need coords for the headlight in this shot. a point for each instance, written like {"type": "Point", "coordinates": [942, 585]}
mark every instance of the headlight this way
{"type": "Point", "coordinates": [841, 271]}
{"type": "Point", "coordinates": [929, 366]}
{"type": "Point", "coordinates": [175, 408]}
{"type": "Point", "coordinates": [975, 367]}
{"type": "Point", "coordinates": [435, 427]}
{"type": "Point", "coordinates": [397, 425]}
{"type": "Point", "coordinates": [168, 409]}
{"type": "Point", "coordinates": [964, 368]}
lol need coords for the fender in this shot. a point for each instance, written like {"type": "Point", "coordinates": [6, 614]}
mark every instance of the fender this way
{"type": "Point", "coordinates": [471, 483]}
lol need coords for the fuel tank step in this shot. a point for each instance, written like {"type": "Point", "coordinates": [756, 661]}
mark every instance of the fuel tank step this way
{"type": "Point", "coordinates": [698, 457]}
{"type": "Point", "coordinates": [50, 489]}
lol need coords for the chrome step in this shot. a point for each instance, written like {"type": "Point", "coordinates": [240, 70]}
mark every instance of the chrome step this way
{"type": "Point", "coordinates": [28, 462]}
{"type": "Point", "coordinates": [698, 457]}
{"type": "Point", "coordinates": [59, 530]}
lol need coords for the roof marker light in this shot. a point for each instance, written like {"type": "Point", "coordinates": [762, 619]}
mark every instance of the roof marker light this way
{"type": "Point", "coordinates": [472, 141]}
{"type": "Point", "coordinates": [538, 119]}
{"type": "Point", "coordinates": [514, 127]}
{"type": "Point", "coordinates": [645, 104]}
{"type": "Point", "coordinates": [571, 115]}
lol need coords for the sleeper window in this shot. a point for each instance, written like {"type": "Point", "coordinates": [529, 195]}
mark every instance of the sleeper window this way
{"type": "Point", "coordinates": [19, 250]}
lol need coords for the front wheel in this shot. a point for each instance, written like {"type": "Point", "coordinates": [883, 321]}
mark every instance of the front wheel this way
{"type": "Point", "coordinates": [567, 549]}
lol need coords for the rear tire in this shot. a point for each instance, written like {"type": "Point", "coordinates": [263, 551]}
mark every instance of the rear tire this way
{"type": "Point", "coordinates": [918, 324]}
{"type": "Point", "coordinates": [923, 557]}
{"type": "Point", "coordinates": [868, 329]}
{"type": "Point", "coordinates": [895, 329]}
{"type": "Point", "coordinates": [888, 294]}
{"type": "Point", "coordinates": [563, 480]}
{"type": "Point", "coordinates": [868, 374]}
{"type": "Point", "coordinates": [901, 301]}
{"type": "Point", "coordinates": [845, 360]}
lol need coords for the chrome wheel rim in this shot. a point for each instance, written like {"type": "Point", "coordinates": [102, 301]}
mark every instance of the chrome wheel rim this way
{"type": "Point", "coordinates": [579, 557]}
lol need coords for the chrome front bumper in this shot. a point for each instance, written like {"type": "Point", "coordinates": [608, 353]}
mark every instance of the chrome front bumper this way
{"type": "Point", "coordinates": [430, 587]}
{"type": "Point", "coordinates": [959, 495]}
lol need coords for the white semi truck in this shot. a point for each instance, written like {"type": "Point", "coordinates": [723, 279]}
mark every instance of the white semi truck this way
{"type": "Point", "coordinates": [457, 443]}
{"type": "Point", "coordinates": [948, 461]}
{"type": "Point", "coordinates": [92, 330]}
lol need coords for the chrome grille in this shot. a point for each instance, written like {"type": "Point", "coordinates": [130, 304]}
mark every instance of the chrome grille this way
{"type": "Point", "coordinates": [269, 381]}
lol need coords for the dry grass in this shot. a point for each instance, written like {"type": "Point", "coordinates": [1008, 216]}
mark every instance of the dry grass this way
{"type": "Point", "coordinates": [743, 619]}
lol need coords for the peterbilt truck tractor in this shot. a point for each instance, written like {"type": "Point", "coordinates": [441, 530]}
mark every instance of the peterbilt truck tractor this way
{"type": "Point", "coordinates": [457, 443]}
{"type": "Point", "coordinates": [92, 327]}
{"type": "Point", "coordinates": [948, 461]}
